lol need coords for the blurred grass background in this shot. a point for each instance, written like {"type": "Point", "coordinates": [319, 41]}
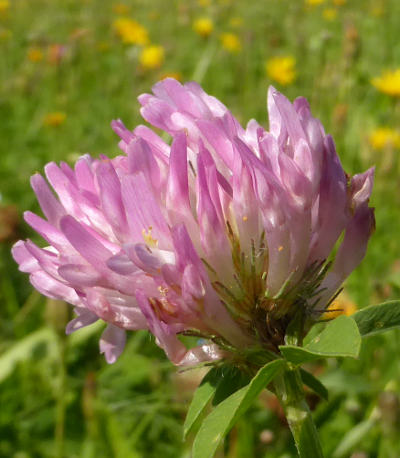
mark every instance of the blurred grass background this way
{"type": "Point", "coordinates": [67, 68]}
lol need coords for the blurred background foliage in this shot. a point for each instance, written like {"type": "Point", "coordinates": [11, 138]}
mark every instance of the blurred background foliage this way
{"type": "Point", "coordinates": [67, 68]}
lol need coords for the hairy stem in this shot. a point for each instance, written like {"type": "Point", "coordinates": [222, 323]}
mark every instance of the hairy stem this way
{"type": "Point", "coordinates": [289, 389]}
{"type": "Point", "coordinates": [60, 404]}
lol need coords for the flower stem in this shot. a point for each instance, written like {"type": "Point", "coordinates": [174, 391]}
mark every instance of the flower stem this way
{"type": "Point", "coordinates": [60, 405]}
{"type": "Point", "coordinates": [289, 389]}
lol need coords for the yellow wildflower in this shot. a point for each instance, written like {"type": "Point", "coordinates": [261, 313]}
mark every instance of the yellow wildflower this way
{"type": "Point", "coordinates": [329, 14]}
{"type": "Point", "coordinates": [204, 3]}
{"type": "Point", "coordinates": [203, 26]}
{"type": "Point", "coordinates": [388, 83]}
{"type": "Point", "coordinates": [4, 7]}
{"type": "Point", "coordinates": [314, 2]}
{"type": "Point", "coordinates": [152, 57]}
{"type": "Point", "coordinates": [281, 69]}
{"type": "Point", "coordinates": [176, 75]}
{"type": "Point", "coordinates": [35, 54]}
{"type": "Point", "coordinates": [342, 305]}
{"type": "Point", "coordinates": [120, 8]}
{"type": "Point", "coordinates": [339, 2]}
{"type": "Point", "coordinates": [54, 119]}
{"type": "Point", "coordinates": [231, 42]}
{"type": "Point", "coordinates": [130, 31]}
{"type": "Point", "coordinates": [384, 137]}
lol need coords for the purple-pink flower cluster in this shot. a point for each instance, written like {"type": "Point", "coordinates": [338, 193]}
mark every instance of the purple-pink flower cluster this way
{"type": "Point", "coordinates": [224, 234]}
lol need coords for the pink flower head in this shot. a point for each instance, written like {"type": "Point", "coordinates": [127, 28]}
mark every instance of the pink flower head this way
{"type": "Point", "coordinates": [226, 234]}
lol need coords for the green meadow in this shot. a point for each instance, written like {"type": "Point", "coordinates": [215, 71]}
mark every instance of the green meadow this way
{"type": "Point", "coordinates": [69, 67]}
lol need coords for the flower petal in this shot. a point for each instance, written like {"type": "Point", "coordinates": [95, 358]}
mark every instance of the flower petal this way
{"type": "Point", "coordinates": [112, 343]}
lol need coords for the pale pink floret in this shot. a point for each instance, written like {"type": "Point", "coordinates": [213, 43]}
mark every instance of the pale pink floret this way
{"type": "Point", "coordinates": [189, 238]}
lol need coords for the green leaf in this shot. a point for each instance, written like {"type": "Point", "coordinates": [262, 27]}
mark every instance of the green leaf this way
{"type": "Point", "coordinates": [224, 416]}
{"type": "Point", "coordinates": [340, 338]}
{"type": "Point", "coordinates": [219, 382]}
{"type": "Point", "coordinates": [201, 398]}
{"type": "Point", "coordinates": [378, 318]}
{"type": "Point", "coordinates": [298, 355]}
{"type": "Point", "coordinates": [313, 383]}
{"type": "Point", "coordinates": [231, 380]}
{"type": "Point", "coordinates": [313, 332]}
